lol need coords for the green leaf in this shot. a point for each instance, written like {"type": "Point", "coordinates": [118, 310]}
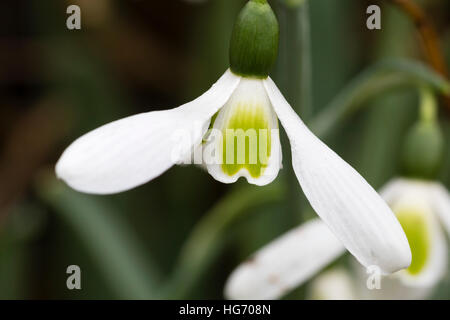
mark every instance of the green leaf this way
{"type": "Point", "coordinates": [107, 238]}
{"type": "Point", "coordinates": [205, 240]}
{"type": "Point", "coordinates": [384, 76]}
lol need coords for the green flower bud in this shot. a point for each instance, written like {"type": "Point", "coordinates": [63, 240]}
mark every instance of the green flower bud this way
{"type": "Point", "coordinates": [423, 151]}
{"type": "Point", "coordinates": [254, 41]}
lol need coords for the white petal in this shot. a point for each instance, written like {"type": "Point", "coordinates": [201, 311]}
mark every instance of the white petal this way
{"type": "Point", "coordinates": [441, 204]}
{"type": "Point", "coordinates": [335, 284]}
{"type": "Point", "coordinates": [341, 197]}
{"type": "Point", "coordinates": [285, 263]}
{"type": "Point", "coordinates": [129, 152]}
{"type": "Point", "coordinates": [248, 108]}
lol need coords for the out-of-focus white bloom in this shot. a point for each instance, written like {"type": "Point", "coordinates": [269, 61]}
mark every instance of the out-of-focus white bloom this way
{"type": "Point", "coordinates": [333, 284]}
{"type": "Point", "coordinates": [422, 208]}
{"type": "Point", "coordinates": [433, 193]}
{"type": "Point", "coordinates": [284, 263]}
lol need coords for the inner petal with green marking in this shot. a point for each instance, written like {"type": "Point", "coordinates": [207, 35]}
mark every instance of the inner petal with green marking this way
{"type": "Point", "coordinates": [247, 139]}
{"type": "Point", "coordinates": [244, 139]}
{"type": "Point", "coordinates": [416, 226]}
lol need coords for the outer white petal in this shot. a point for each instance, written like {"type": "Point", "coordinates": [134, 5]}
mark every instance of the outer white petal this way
{"type": "Point", "coordinates": [285, 263]}
{"type": "Point", "coordinates": [129, 152]}
{"type": "Point", "coordinates": [440, 199]}
{"type": "Point", "coordinates": [341, 197]}
{"type": "Point", "coordinates": [334, 284]}
{"type": "Point", "coordinates": [251, 93]}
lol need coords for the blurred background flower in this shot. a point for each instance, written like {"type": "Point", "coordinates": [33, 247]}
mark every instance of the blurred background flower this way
{"type": "Point", "coordinates": [182, 235]}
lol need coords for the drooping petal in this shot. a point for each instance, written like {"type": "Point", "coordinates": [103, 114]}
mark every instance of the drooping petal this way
{"type": "Point", "coordinates": [245, 137]}
{"type": "Point", "coordinates": [440, 198]}
{"type": "Point", "coordinates": [285, 263]}
{"type": "Point", "coordinates": [341, 197]}
{"type": "Point", "coordinates": [129, 152]}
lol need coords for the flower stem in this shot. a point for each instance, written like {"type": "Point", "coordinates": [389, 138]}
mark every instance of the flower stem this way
{"type": "Point", "coordinates": [205, 240]}
{"type": "Point", "coordinates": [306, 63]}
{"type": "Point", "coordinates": [427, 112]}
{"type": "Point", "coordinates": [294, 76]}
{"type": "Point", "coordinates": [379, 78]}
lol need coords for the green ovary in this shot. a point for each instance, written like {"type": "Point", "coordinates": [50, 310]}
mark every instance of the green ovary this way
{"type": "Point", "coordinates": [414, 223]}
{"type": "Point", "coordinates": [246, 141]}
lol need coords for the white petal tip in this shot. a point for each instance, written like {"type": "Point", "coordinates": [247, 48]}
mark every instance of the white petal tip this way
{"type": "Point", "coordinates": [398, 261]}
{"type": "Point", "coordinates": [237, 287]}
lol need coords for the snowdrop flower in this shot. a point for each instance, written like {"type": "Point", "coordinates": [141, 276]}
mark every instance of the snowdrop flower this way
{"type": "Point", "coordinates": [132, 151]}
{"type": "Point", "coordinates": [423, 209]}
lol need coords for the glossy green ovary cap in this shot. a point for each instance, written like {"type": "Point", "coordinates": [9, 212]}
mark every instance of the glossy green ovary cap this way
{"type": "Point", "coordinates": [415, 226]}
{"type": "Point", "coordinates": [254, 41]}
